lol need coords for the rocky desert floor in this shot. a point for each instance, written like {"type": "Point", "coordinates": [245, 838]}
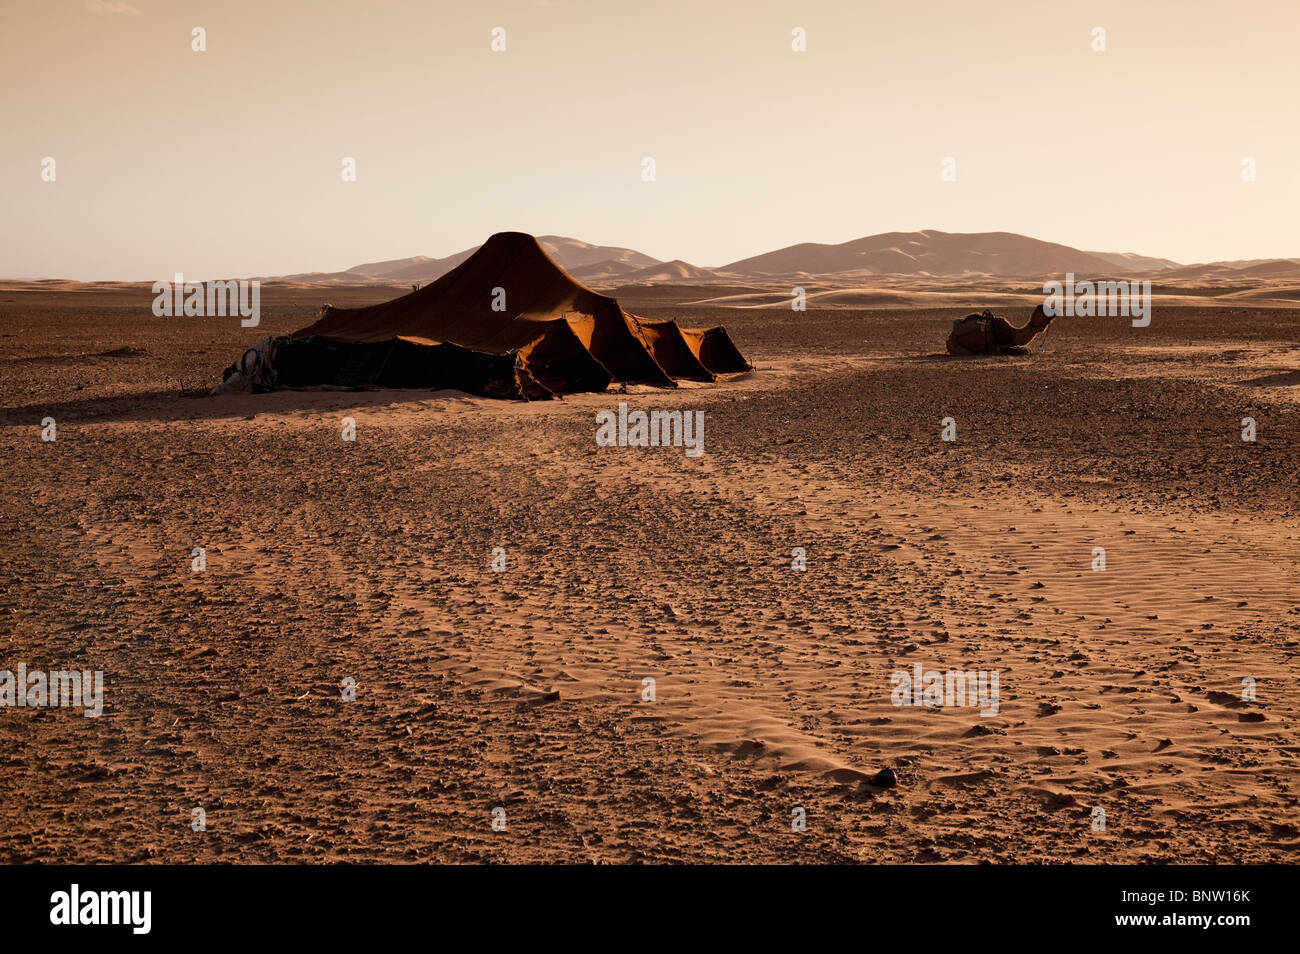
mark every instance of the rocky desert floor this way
{"type": "Point", "coordinates": [326, 561]}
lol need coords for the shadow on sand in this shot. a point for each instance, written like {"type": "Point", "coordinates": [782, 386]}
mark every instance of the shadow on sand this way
{"type": "Point", "coordinates": [1283, 379]}
{"type": "Point", "coordinates": [169, 405]}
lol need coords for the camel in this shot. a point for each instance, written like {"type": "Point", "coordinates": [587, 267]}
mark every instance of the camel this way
{"type": "Point", "coordinates": [992, 334]}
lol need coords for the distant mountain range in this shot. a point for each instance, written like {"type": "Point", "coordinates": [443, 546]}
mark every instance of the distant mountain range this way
{"type": "Point", "coordinates": [916, 255]}
{"type": "Point", "coordinates": [572, 255]}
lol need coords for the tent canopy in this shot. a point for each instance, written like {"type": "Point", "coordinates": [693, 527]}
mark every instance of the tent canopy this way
{"type": "Point", "coordinates": [507, 322]}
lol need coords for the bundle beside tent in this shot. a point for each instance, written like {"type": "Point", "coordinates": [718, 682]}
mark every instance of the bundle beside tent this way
{"type": "Point", "coordinates": [506, 322]}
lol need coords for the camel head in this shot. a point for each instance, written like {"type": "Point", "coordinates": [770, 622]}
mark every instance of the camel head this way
{"type": "Point", "coordinates": [1040, 319]}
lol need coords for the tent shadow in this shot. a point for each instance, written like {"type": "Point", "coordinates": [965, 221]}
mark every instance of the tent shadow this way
{"type": "Point", "coordinates": [167, 405]}
{"type": "Point", "coordinates": [1283, 379]}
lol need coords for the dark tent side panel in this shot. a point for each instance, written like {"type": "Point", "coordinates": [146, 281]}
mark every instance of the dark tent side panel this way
{"type": "Point", "coordinates": [312, 362]}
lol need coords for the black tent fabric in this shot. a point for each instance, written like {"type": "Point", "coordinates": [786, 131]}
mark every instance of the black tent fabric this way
{"type": "Point", "coordinates": [506, 322]}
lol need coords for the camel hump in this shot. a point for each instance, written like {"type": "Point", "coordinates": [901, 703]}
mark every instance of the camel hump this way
{"type": "Point", "coordinates": [972, 321]}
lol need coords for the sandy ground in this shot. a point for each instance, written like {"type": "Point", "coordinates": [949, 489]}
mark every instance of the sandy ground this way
{"type": "Point", "coordinates": [370, 560]}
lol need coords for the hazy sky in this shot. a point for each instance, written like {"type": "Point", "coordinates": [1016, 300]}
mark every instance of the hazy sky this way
{"type": "Point", "coordinates": [227, 162]}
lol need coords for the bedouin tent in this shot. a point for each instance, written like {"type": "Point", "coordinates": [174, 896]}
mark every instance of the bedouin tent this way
{"type": "Point", "coordinates": [507, 322]}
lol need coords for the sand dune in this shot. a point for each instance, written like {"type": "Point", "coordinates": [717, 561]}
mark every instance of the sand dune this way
{"type": "Point", "coordinates": [571, 254]}
{"type": "Point", "coordinates": [604, 271]}
{"type": "Point", "coordinates": [675, 271]}
{"type": "Point", "coordinates": [1131, 262]}
{"type": "Point", "coordinates": [929, 252]}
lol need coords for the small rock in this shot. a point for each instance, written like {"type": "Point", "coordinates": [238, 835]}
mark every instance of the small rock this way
{"type": "Point", "coordinates": [885, 778]}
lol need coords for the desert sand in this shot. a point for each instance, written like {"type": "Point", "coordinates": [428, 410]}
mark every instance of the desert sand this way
{"type": "Point", "coordinates": [371, 560]}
